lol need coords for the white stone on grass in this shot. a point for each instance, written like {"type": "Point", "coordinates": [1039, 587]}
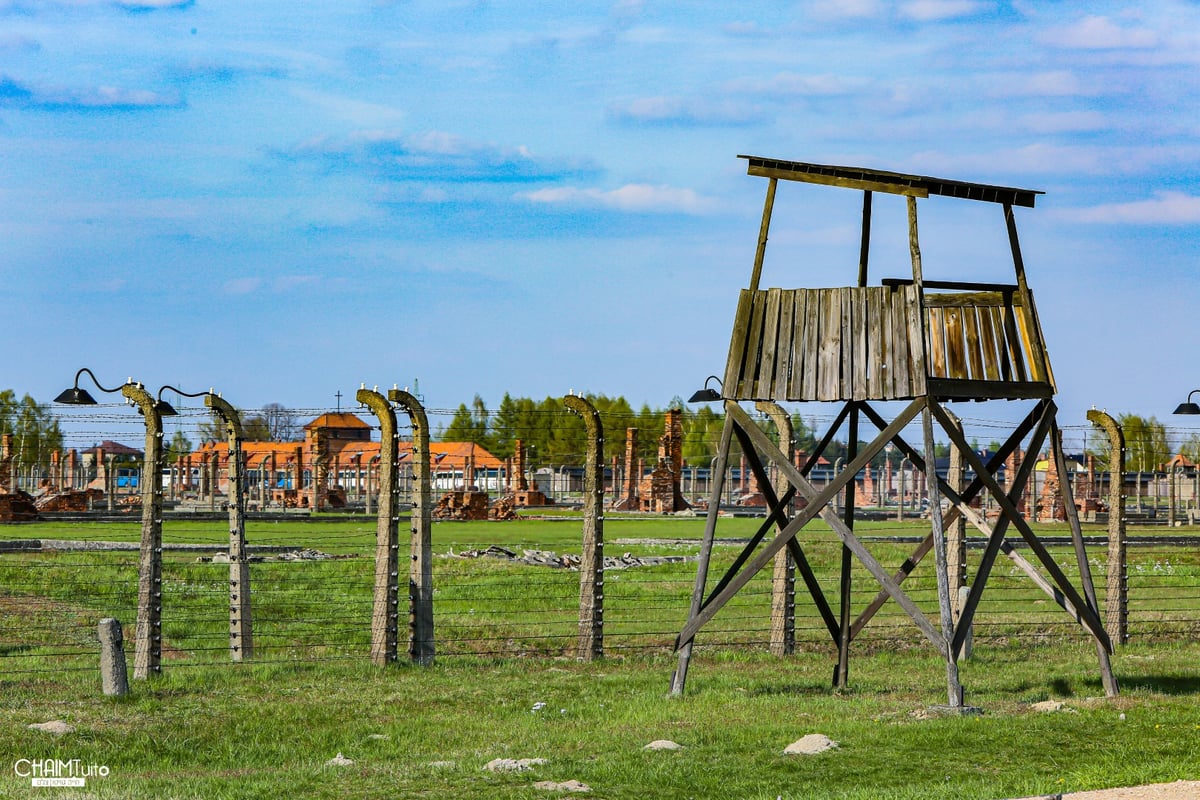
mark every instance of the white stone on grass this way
{"type": "Point", "coordinates": [564, 786]}
{"type": "Point", "coordinates": [1047, 706]}
{"type": "Point", "coordinates": [54, 726]}
{"type": "Point", "coordinates": [513, 764]}
{"type": "Point", "coordinates": [810, 745]}
{"type": "Point", "coordinates": [339, 761]}
{"type": "Point", "coordinates": [663, 744]}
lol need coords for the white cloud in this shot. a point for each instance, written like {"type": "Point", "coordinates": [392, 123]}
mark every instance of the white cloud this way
{"type": "Point", "coordinates": [846, 9]}
{"type": "Point", "coordinates": [1055, 83]}
{"type": "Point", "coordinates": [242, 285]}
{"type": "Point", "coordinates": [286, 283]}
{"type": "Point", "coordinates": [1100, 33]}
{"type": "Point", "coordinates": [1065, 122]}
{"type": "Point", "coordinates": [745, 28]}
{"type": "Point", "coordinates": [360, 113]}
{"type": "Point", "coordinates": [633, 197]}
{"type": "Point", "coordinates": [1053, 159]}
{"type": "Point", "coordinates": [1167, 208]}
{"type": "Point", "coordinates": [665, 109]}
{"type": "Point", "coordinates": [933, 10]}
{"type": "Point", "coordinates": [794, 84]}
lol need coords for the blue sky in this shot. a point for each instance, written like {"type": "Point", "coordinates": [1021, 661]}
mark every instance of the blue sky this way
{"type": "Point", "coordinates": [284, 200]}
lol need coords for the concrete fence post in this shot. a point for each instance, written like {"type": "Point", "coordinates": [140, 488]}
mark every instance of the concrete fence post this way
{"type": "Point", "coordinates": [421, 647]}
{"type": "Point", "coordinates": [783, 578]}
{"type": "Point", "coordinates": [1116, 591]}
{"type": "Point", "coordinates": [385, 609]}
{"type": "Point", "coordinates": [968, 645]}
{"type": "Point", "coordinates": [114, 677]}
{"type": "Point", "coordinates": [590, 641]}
{"type": "Point", "coordinates": [241, 639]}
{"type": "Point", "coordinates": [147, 657]}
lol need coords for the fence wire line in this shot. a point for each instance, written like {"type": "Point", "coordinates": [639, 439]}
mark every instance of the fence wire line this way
{"type": "Point", "coordinates": [311, 611]}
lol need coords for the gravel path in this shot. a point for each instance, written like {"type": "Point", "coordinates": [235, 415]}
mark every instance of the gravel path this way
{"type": "Point", "coordinates": [1180, 790]}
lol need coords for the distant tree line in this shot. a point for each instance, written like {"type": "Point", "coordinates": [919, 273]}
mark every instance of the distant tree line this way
{"type": "Point", "coordinates": [553, 436]}
{"type": "Point", "coordinates": [33, 426]}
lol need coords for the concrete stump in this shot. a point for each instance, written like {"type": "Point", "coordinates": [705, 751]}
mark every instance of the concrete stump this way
{"type": "Point", "coordinates": [114, 678]}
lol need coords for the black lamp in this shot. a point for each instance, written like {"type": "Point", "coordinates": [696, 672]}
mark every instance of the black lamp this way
{"type": "Point", "coordinates": [1189, 407]}
{"type": "Point", "coordinates": [80, 397]}
{"type": "Point", "coordinates": [707, 395]}
{"type": "Point", "coordinates": [165, 409]}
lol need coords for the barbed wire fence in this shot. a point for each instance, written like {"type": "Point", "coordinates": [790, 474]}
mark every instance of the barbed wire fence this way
{"type": "Point", "coordinates": [313, 581]}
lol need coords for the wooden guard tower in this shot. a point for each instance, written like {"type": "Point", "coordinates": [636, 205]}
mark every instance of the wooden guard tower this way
{"type": "Point", "coordinates": [925, 342]}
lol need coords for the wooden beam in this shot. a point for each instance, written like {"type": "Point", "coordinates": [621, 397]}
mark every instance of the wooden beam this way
{"type": "Point", "coordinates": [1090, 618]}
{"type": "Point", "coordinates": [833, 180]}
{"type": "Point", "coordinates": [761, 252]}
{"type": "Point", "coordinates": [821, 499]}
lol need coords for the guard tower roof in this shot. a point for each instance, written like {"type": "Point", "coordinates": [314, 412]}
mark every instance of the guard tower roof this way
{"type": "Point", "coordinates": [891, 182]}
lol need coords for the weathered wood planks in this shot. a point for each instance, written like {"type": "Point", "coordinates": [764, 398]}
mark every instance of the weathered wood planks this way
{"type": "Point", "coordinates": [881, 343]}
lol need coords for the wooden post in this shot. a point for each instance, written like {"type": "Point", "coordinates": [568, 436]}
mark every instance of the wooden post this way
{"type": "Point", "coordinates": [114, 678]}
{"type": "Point", "coordinates": [1107, 678]}
{"type": "Point", "coordinates": [762, 234]}
{"type": "Point", "coordinates": [956, 534]}
{"type": "Point", "coordinates": [841, 673]}
{"type": "Point", "coordinates": [590, 641]}
{"type": "Point", "coordinates": [1116, 594]}
{"type": "Point", "coordinates": [954, 690]}
{"type": "Point", "coordinates": [421, 646]}
{"type": "Point", "coordinates": [147, 658]}
{"type": "Point", "coordinates": [783, 577]}
{"type": "Point", "coordinates": [679, 678]}
{"type": "Point", "coordinates": [241, 639]}
{"type": "Point", "coordinates": [385, 607]}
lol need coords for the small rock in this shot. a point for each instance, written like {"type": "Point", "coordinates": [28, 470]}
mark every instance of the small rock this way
{"type": "Point", "coordinates": [565, 786]}
{"type": "Point", "coordinates": [663, 744]}
{"type": "Point", "coordinates": [54, 726]}
{"type": "Point", "coordinates": [810, 745]}
{"type": "Point", "coordinates": [1047, 706]}
{"type": "Point", "coordinates": [513, 764]}
{"type": "Point", "coordinates": [339, 761]}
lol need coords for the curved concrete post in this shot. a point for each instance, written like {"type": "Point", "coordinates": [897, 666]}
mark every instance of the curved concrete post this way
{"type": "Point", "coordinates": [783, 579]}
{"type": "Point", "coordinates": [147, 657]}
{"type": "Point", "coordinates": [421, 646]}
{"type": "Point", "coordinates": [385, 609]}
{"type": "Point", "coordinates": [241, 639]}
{"type": "Point", "coordinates": [1116, 608]}
{"type": "Point", "coordinates": [590, 642]}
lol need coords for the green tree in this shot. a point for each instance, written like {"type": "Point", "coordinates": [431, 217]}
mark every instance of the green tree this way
{"type": "Point", "coordinates": [1146, 447]}
{"type": "Point", "coordinates": [255, 428]}
{"type": "Point", "coordinates": [179, 446]}
{"type": "Point", "coordinates": [34, 428]}
{"type": "Point", "coordinates": [468, 424]}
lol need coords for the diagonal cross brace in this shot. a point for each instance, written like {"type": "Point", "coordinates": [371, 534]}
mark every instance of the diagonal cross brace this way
{"type": "Point", "coordinates": [778, 515]}
{"type": "Point", "coordinates": [1089, 616]}
{"type": "Point", "coordinates": [960, 502]}
{"type": "Point", "coordinates": [818, 504]}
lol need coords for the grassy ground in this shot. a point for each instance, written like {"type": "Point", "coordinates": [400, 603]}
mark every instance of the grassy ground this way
{"type": "Point", "coordinates": [262, 731]}
{"type": "Point", "coordinates": [210, 728]}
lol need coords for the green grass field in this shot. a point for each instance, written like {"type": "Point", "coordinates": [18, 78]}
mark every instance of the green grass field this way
{"type": "Point", "coordinates": [210, 728]}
